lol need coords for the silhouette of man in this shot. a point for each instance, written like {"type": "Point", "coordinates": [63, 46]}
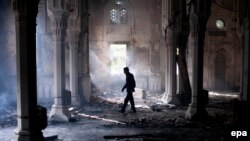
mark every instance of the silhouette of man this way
{"type": "Point", "coordinates": [130, 86]}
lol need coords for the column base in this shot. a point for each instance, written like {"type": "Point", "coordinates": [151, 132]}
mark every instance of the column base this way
{"type": "Point", "coordinates": [59, 114]}
{"type": "Point", "coordinates": [195, 113]}
{"type": "Point", "coordinates": [21, 135]}
{"type": "Point", "coordinates": [171, 99]}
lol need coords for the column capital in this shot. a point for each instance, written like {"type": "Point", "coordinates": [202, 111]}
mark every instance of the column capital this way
{"type": "Point", "coordinates": [58, 6]}
{"type": "Point", "coordinates": [74, 21]}
{"type": "Point", "coordinates": [24, 6]}
{"type": "Point", "coordinates": [74, 24]}
{"type": "Point", "coordinates": [58, 12]}
{"type": "Point", "coordinates": [25, 9]}
{"type": "Point", "coordinates": [58, 9]}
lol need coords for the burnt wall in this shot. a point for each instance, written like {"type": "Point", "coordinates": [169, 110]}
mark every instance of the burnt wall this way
{"type": "Point", "coordinates": [141, 34]}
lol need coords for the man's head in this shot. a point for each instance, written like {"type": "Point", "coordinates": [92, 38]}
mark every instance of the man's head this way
{"type": "Point", "coordinates": [126, 70]}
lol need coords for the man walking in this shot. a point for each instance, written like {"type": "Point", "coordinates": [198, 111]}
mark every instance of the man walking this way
{"type": "Point", "coordinates": [130, 86]}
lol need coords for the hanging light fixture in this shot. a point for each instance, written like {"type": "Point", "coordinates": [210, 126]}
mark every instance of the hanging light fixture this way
{"type": "Point", "coordinates": [220, 24]}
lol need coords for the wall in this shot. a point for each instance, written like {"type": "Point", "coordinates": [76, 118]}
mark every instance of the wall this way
{"type": "Point", "coordinates": [142, 34]}
{"type": "Point", "coordinates": [222, 42]}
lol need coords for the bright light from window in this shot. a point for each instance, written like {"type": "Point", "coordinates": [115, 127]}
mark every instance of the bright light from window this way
{"type": "Point", "coordinates": [118, 58]}
{"type": "Point", "coordinates": [118, 2]}
{"type": "Point", "coordinates": [114, 17]}
{"type": "Point", "coordinates": [123, 12]}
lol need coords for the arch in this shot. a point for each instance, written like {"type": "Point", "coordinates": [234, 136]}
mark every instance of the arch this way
{"type": "Point", "coordinates": [222, 69]}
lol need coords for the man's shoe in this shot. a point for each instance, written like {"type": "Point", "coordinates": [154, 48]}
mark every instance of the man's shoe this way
{"type": "Point", "coordinates": [133, 111]}
{"type": "Point", "coordinates": [120, 111]}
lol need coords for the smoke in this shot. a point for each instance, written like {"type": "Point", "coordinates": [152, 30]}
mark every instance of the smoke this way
{"type": "Point", "coordinates": [7, 90]}
{"type": "Point", "coordinates": [6, 99]}
{"type": "Point", "coordinates": [7, 55]}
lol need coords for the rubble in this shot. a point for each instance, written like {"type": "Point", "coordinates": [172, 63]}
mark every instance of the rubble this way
{"type": "Point", "coordinates": [151, 113]}
{"type": "Point", "coordinates": [8, 117]}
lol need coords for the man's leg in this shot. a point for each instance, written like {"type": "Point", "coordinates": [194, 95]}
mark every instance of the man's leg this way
{"type": "Point", "coordinates": [125, 104]}
{"type": "Point", "coordinates": [131, 99]}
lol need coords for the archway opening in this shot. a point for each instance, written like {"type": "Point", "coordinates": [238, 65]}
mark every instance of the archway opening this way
{"type": "Point", "coordinates": [220, 72]}
{"type": "Point", "coordinates": [118, 56]}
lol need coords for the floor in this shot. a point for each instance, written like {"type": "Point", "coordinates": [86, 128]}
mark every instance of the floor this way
{"type": "Point", "coordinates": [154, 121]}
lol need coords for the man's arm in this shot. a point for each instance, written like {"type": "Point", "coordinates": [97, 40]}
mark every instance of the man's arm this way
{"type": "Point", "coordinates": [124, 87]}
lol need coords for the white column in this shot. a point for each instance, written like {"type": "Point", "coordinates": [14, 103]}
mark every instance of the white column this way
{"type": "Point", "coordinates": [73, 35]}
{"type": "Point", "coordinates": [75, 100]}
{"type": "Point", "coordinates": [171, 30]}
{"type": "Point", "coordinates": [58, 15]}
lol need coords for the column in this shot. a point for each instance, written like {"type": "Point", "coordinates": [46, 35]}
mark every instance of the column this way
{"type": "Point", "coordinates": [197, 22]}
{"type": "Point", "coordinates": [73, 64]}
{"type": "Point", "coordinates": [73, 35]}
{"type": "Point", "coordinates": [27, 117]}
{"type": "Point", "coordinates": [172, 85]}
{"type": "Point", "coordinates": [164, 34]}
{"type": "Point", "coordinates": [58, 14]}
{"type": "Point", "coordinates": [171, 32]}
{"type": "Point", "coordinates": [85, 80]}
{"type": "Point", "coordinates": [246, 65]}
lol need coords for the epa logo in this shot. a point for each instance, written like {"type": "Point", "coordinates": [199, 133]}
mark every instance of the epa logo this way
{"type": "Point", "coordinates": [239, 133]}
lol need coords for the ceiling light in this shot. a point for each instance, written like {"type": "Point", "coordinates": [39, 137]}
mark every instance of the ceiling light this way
{"type": "Point", "coordinates": [220, 24]}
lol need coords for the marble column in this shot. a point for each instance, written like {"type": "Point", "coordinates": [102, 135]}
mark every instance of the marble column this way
{"type": "Point", "coordinates": [164, 34]}
{"type": "Point", "coordinates": [58, 14]}
{"type": "Point", "coordinates": [172, 85]}
{"type": "Point", "coordinates": [169, 7]}
{"type": "Point", "coordinates": [27, 120]}
{"type": "Point", "coordinates": [198, 23]}
{"type": "Point", "coordinates": [73, 35]}
{"type": "Point", "coordinates": [73, 41]}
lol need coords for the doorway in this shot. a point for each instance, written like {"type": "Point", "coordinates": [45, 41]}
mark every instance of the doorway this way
{"type": "Point", "coordinates": [118, 56]}
{"type": "Point", "coordinates": [220, 72]}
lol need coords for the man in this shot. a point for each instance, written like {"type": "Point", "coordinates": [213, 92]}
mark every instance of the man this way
{"type": "Point", "coordinates": [130, 86]}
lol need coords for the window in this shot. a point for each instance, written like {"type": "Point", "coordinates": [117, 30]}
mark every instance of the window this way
{"type": "Point", "coordinates": [118, 2]}
{"type": "Point", "coordinates": [119, 14]}
{"type": "Point", "coordinates": [114, 16]}
{"type": "Point", "coordinates": [124, 16]}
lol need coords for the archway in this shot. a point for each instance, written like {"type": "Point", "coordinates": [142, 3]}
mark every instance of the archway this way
{"type": "Point", "coordinates": [220, 71]}
{"type": "Point", "coordinates": [118, 54]}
